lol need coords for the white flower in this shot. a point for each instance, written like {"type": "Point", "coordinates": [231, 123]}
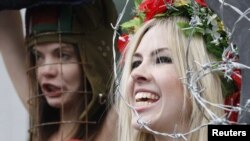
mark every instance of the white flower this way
{"type": "Point", "coordinates": [195, 21]}
{"type": "Point", "coordinates": [211, 18]}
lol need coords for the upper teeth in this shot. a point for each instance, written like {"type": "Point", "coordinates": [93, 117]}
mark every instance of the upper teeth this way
{"type": "Point", "coordinates": [146, 95]}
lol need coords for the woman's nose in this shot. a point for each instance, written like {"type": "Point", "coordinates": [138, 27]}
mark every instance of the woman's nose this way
{"type": "Point", "coordinates": [141, 73]}
{"type": "Point", "coordinates": [49, 69]}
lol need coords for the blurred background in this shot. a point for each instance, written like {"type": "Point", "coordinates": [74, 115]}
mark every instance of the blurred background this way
{"type": "Point", "coordinates": [13, 115]}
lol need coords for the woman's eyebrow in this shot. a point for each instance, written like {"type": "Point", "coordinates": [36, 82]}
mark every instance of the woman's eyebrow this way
{"type": "Point", "coordinates": [158, 50]}
{"type": "Point", "coordinates": [153, 53]}
{"type": "Point", "coordinates": [137, 55]}
{"type": "Point", "coordinates": [64, 48]}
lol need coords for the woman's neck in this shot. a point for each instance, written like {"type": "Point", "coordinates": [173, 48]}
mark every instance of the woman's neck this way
{"type": "Point", "coordinates": [66, 130]}
{"type": "Point", "coordinates": [68, 127]}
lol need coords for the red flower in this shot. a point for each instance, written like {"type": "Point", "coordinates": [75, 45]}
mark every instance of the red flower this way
{"type": "Point", "coordinates": [202, 3]}
{"type": "Point", "coordinates": [236, 76]}
{"type": "Point", "coordinates": [153, 7]}
{"type": "Point", "coordinates": [122, 42]}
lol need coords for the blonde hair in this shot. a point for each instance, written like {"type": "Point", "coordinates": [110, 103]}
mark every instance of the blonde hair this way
{"type": "Point", "coordinates": [178, 44]}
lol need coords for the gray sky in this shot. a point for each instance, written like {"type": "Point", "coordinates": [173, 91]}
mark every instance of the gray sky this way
{"type": "Point", "coordinates": [13, 115]}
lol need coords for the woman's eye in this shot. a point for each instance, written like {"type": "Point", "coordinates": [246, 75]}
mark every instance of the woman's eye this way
{"type": "Point", "coordinates": [39, 58]}
{"type": "Point", "coordinates": [135, 64]}
{"type": "Point", "coordinates": [163, 59]}
{"type": "Point", "coordinates": [65, 56]}
{"type": "Point", "coordinates": [36, 54]}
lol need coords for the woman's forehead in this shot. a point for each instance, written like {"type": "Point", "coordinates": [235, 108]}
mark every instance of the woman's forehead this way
{"type": "Point", "coordinates": [153, 40]}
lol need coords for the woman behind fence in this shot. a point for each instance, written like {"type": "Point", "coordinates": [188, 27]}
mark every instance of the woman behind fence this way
{"type": "Point", "coordinates": [69, 57]}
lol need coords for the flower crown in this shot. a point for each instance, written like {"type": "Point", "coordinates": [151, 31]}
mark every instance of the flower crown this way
{"type": "Point", "coordinates": [202, 22]}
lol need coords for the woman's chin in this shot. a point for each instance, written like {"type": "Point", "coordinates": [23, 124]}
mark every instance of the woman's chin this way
{"type": "Point", "coordinates": [55, 103]}
{"type": "Point", "coordinates": [137, 123]}
{"type": "Point", "coordinates": [153, 123]}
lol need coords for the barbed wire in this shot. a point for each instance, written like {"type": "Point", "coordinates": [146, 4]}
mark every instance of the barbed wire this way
{"type": "Point", "coordinates": [116, 28]}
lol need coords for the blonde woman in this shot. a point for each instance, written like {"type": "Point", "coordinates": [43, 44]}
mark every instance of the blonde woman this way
{"type": "Point", "coordinates": [153, 83]}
